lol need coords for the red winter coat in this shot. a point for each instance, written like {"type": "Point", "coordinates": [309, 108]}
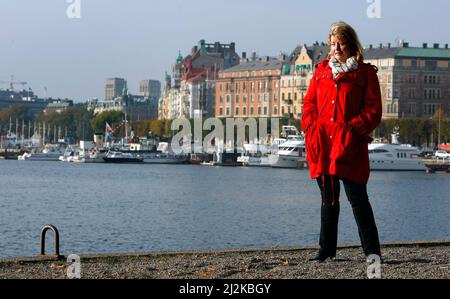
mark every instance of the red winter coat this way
{"type": "Point", "coordinates": [338, 116]}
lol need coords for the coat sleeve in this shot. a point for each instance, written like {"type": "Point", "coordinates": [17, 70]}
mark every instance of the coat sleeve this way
{"type": "Point", "coordinates": [370, 116]}
{"type": "Point", "coordinates": [309, 109]}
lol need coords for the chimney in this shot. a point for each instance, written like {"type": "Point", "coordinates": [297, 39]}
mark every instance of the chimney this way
{"type": "Point", "coordinates": [370, 46]}
{"type": "Point", "coordinates": [381, 46]}
{"type": "Point", "coordinates": [244, 55]}
{"type": "Point", "coordinates": [388, 45]}
{"type": "Point", "coordinates": [425, 45]}
{"type": "Point", "coordinates": [232, 46]}
{"type": "Point", "coordinates": [253, 56]}
{"type": "Point", "coordinates": [446, 46]}
{"type": "Point", "coordinates": [267, 58]}
{"type": "Point", "coordinates": [435, 46]}
{"type": "Point", "coordinates": [405, 45]}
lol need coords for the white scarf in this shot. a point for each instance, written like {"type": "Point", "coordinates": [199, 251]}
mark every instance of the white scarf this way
{"type": "Point", "coordinates": [340, 68]}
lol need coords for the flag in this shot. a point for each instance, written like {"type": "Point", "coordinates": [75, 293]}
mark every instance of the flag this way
{"type": "Point", "coordinates": [108, 131]}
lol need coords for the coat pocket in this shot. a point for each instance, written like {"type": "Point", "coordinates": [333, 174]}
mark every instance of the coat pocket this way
{"type": "Point", "coordinates": [312, 143]}
{"type": "Point", "coordinates": [346, 147]}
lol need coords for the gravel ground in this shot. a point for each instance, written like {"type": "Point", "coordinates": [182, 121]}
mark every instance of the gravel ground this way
{"type": "Point", "coordinates": [410, 261]}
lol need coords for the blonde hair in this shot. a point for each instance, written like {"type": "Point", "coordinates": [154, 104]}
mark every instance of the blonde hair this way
{"type": "Point", "coordinates": [345, 31]}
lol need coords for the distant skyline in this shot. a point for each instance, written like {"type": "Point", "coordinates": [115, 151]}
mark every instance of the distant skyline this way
{"type": "Point", "coordinates": [140, 39]}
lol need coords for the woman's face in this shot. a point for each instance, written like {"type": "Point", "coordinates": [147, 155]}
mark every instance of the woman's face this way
{"type": "Point", "coordinates": [340, 49]}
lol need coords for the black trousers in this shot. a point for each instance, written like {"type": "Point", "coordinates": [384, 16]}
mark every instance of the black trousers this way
{"type": "Point", "coordinates": [362, 210]}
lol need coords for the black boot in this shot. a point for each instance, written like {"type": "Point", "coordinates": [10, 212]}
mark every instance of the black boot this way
{"type": "Point", "coordinates": [322, 256]}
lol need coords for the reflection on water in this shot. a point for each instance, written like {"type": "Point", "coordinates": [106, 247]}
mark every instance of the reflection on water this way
{"type": "Point", "coordinates": [127, 208]}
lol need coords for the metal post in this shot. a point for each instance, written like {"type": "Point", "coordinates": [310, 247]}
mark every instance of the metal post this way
{"type": "Point", "coordinates": [56, 233]}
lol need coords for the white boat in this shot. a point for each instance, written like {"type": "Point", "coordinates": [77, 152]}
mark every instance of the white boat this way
{"type": "Point", "coordinates": [49, 153]}
{"type": "Point", "coordinates": [400, 157]}
{"type": "Point", "coordinates": [255, 155]}
{"type": "Point", "coordinates": [291, 154]}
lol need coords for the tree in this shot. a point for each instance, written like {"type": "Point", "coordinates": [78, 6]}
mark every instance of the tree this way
{"type": "Point", "coordinates": [113, 118]}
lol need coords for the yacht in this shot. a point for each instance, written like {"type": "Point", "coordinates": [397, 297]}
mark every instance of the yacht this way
{"type": "Point", "coordinates": [291, 154]}
{"type": "Point", "coordinates": [400, 157]}
{"type": "Point", "coordinates": [119, 157]}
{"type": "Point", "coordinates": [51, 152]}
{"type": "Point", "coordinates": [255, 155]}
{"type": "Point", "coordinates": [164, 156]}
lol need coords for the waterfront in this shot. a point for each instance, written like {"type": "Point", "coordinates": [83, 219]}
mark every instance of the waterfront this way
{"type": "Point", "coordinates": [136, 208]}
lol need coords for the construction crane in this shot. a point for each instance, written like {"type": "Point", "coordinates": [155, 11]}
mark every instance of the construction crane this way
{"type": "Point", "coordinates": [12, 82]}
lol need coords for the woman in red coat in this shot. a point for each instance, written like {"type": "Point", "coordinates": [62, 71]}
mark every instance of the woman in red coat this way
{"type": "Point", "coordinates": [341, 108]}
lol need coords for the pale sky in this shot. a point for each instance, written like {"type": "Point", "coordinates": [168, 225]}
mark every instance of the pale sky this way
{"type": "Point", "coordinates": [140, 39]}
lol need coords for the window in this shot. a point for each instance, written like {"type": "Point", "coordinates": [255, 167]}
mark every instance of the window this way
{"type": "Point", "coordinates": [220, 99]}
{"type": "Point", "coordinates": [282, 96]}
{"type": "Point", "coordinates": [252, 110]}
{"type": "Point", "coordinates": [275, 110]}
{"type": "Point", "coordinates": [220, 111]}
{"type": "Point", "coordinates": [412, 108]}
{"type": "Point", "coordinates": [282, 110]}
{"type": "Point", "coordinates": [259, 110]}
{"type": "Point", "coordinates": [237, 86]}
{"type": "Point", "coordinates": [237, 110]}
{"type": "Point", "coordinates": [228, 98]}
{"type": "Point", "coordinates": [228, 111]}
{"type": "Point", "coordinates": [411, 93]}
{"type": "Point", "coordinates": [265, 110]}
{"type": "Point", "coordinates": [252, 98]}
{"type": "Point", "coordinates": [244, 98]}
{"type": "Point", "coordinates": [244, 86]}
{"type": "Point", "coordinates": [237, 99]}
{"type": "Point", "coordinates": [244, 110]}
{"type": "Point", "coordinates": [396, 93]}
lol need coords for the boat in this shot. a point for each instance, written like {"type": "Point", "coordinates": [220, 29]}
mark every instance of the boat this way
{"type": "Point", "coordinates": [395, 157]}
{"type": "Point", "coordinates": [291, 154]}
{"type": "Point", "coordinates": [163, 155]}
{"type": "Point", "coordinates": [120, 157]}
{"type": "Point", "coordinates": [51, 152]}
{"type": "Point", "coordinates": [255, 155]}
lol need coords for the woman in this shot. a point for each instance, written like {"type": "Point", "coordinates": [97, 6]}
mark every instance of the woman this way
{"type": "Point", "coordinates": [341, 108]}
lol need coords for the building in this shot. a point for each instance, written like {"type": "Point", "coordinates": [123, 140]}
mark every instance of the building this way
{"type": "Point", "coordinates": [24, 98]}
{"type": "Point", "coordinates": [250, 89]}
{"type": "Point", "coordinates": [415, 81]}
{"type": "Point", "coordinates": [114, 88]}
{"type": "Point", "coordinates": [151, 89]}
{"type": "Point", "coordinates": [135, 107]}
{"type": "Point", "coordinates": [296, 76]}
{"type": "Point", "coordinates": [58, 105]}
{"type": "Point", "coordinates": [192, 93]}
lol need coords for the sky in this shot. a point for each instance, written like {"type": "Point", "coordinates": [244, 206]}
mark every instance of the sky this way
{"type": "Point", "coordinates": [140, 39]}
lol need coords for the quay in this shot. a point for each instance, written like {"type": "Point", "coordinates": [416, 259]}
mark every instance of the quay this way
{"type": "Point", "coordinates": [433, 166]}
{"type": "Point", "coordinates": [401, 260]}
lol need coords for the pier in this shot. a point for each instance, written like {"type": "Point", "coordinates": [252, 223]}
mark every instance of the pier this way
{"type": "Point", "coordinates": [436, 165]}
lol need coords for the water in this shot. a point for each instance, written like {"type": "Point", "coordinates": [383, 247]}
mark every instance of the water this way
{"type": "Point", "coordinates": [135, 208]}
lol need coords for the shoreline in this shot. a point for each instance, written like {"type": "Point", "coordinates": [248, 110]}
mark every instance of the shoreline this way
{"type": "Point", "coordinates": [409, 260]}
